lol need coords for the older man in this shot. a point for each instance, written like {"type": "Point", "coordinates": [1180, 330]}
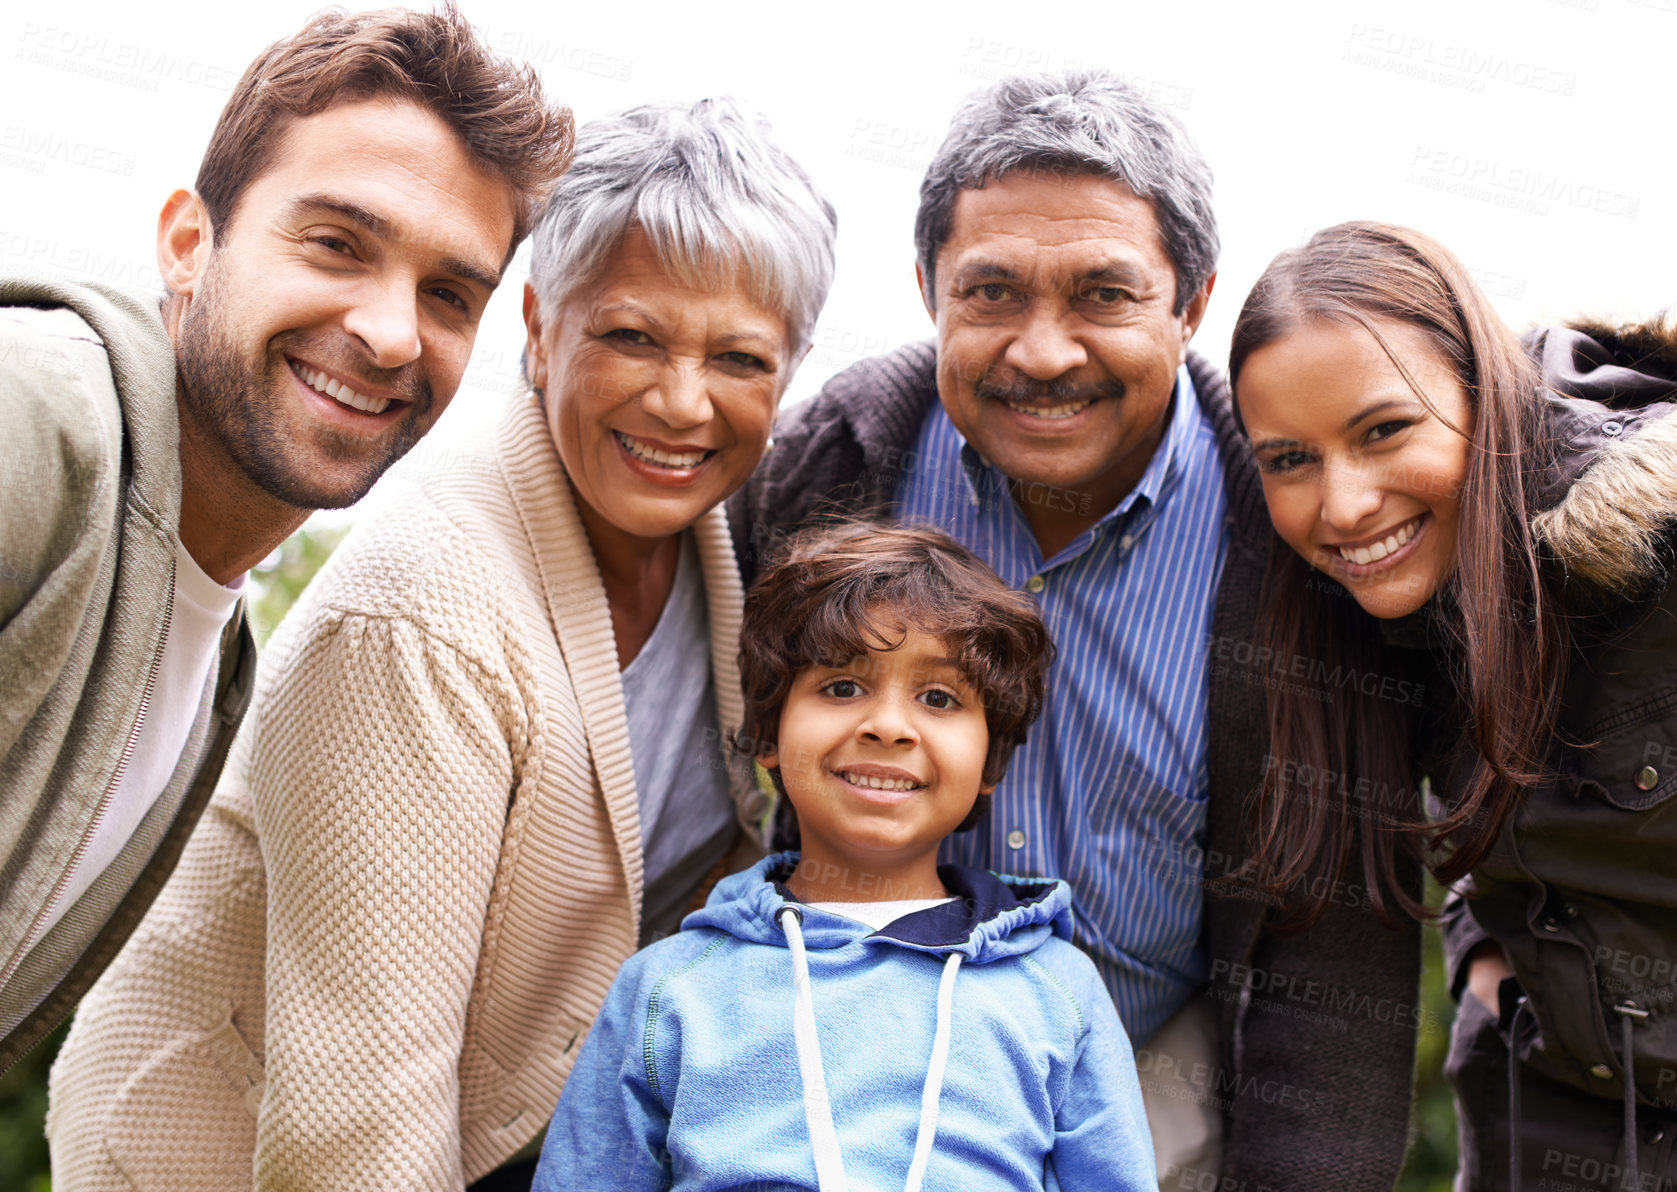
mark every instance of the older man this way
{"type": "Point", "coordinates": [1061, 428]}
{"type": "Point", "coordinates": [360, 196]}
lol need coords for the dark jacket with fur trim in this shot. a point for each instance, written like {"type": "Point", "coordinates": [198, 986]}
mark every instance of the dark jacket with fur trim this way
{"type": "Point", "coordinates": [1316, 1030]}
{"type": "Point", "coordinates": [1580, 890]}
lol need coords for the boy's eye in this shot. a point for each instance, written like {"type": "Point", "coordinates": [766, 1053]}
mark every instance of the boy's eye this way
{"type": "Point", "coordinates": [842, 688]}
{"type": "Point", "coordinates": [939, 699]}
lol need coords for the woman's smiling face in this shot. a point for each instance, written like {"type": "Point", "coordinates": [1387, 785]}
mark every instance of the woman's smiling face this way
{"type": "Point", "coordinates": [1363, 478]}
{"type": "Point", "coordinates": [660, 394]}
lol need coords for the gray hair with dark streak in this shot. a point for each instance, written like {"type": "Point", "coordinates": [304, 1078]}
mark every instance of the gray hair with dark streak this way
{"type": "Point", "coordinates": [1075, 122]}
{"type": "Point", "coordinates": [715, 195]}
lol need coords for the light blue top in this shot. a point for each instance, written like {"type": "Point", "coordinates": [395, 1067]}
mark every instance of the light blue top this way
{"type": "Point", "coordinates": [690, 1078]}
{"type": "Point", "coordinates": [1109, 792]}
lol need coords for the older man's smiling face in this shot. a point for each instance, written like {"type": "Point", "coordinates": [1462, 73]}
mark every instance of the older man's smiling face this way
{"type": "Point", "coordinates": [1057, 343]}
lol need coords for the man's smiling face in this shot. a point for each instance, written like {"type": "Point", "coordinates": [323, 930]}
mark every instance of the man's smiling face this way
{"type": "Point", "coordinates": [331, 319]}
{"type": "Point", "coordinates": [1057, 344]}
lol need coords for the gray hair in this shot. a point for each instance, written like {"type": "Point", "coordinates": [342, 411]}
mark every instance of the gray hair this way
{"type": "Point", "coordinates": [715, 196]}
{"type": "Point", "coordinates": [1075, 122]}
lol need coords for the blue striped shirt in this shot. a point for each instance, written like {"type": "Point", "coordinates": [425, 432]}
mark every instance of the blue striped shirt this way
{"type": "Point", "coordinates": [1109, 792]}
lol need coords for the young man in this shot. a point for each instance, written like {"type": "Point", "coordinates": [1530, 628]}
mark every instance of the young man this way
{"type": "Point", "coordinates": [367, 183]}
{"type": "Point", "coordinates": [855, 1011]}
{"type": "Point", "coordinates": [1060, 428]}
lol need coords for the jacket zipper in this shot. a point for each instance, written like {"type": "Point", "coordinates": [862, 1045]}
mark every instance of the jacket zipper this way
{"type": "Point", "coordinates": [30, 937]}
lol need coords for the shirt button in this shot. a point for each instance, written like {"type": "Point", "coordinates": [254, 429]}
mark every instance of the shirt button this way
{"type": "Point", "coordinates": [1127, 541]}
{"type": "Point", "coordinates": [1647, 778]}
{"type": "Point", "coordinates": [1035, 584]}
{"type": "Point", "coordinates": [1550, 923]}
{"type": "Point", "coordinates": [1601, 1072]}
{"type": "Point", "coordinates": [1611, 428]}
{"type": "Point", "coordinates": [1016, 839]}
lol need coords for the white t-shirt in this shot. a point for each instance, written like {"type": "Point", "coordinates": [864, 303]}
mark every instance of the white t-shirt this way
{"type": "Point", "coordinates": [193, 646]}
{"type": "Point", "coordinates": [879, 915]}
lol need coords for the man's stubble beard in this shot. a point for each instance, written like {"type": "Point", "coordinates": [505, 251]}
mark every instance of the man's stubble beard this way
{"type": "Point", "coordinates": [240, 409]}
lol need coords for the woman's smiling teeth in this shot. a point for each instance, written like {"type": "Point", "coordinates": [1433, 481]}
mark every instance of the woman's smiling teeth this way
{"type": "Point", "coordinates": [879, 784]}
{"type": "Point", "coordinates": [663, 459]}
{"type": "Point", "coordinates": [1065, 410]}
{"type": "Point", "coordinates": [343, 394]}
{"type": "Point", "coordinates": [1364, 555]}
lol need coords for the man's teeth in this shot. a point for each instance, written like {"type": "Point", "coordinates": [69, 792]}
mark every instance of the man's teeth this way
{"type": "Point", "coordinates": [321, 383]}
{"type": "Point", "coordinates": [1065, 410]}
{"type": "Point", "coordinates": [664, 459]}
{"type": "Point", "coordinates": [1364, 555]}
{"type": "Point", "coordinates": [879, 784]}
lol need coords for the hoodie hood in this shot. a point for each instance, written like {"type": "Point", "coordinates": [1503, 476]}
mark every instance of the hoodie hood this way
{"type": "Point", "coordinates": [1609, 490]}
{"type": "Point", "coordinates": [993, 917]}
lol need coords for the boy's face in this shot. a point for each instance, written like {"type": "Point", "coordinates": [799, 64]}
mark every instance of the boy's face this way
{"type": "Point", "coordinates": [882, 758]}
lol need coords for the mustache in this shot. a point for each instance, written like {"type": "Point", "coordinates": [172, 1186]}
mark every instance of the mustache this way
{"type": "Point", "coordinates": [1025, 391]}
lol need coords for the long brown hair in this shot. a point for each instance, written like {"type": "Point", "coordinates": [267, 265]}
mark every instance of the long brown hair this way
{"type": "Point", "coordinates": [1504, 640]}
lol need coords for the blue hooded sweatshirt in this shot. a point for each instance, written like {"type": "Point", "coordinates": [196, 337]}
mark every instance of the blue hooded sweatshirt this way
{"type": "Point", "coordinates": [971, 1042]}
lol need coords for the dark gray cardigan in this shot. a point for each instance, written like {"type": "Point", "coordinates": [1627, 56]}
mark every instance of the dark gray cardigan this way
{"type": "Point", "coordinates": [1318, 1029]}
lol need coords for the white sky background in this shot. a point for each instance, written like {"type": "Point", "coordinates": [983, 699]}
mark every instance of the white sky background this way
{"type": "Point", "coordinates": [1533, 137]}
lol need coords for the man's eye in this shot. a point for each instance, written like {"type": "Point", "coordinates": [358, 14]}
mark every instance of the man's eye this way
{"type": "Point", "coordinates": [629, 335]}
{"type": "Point", "coordinates": [452, 297]}
{"type": "Point", "coordinates": [335, 244]}
{"type": "Point", "coordinates": [843, 688]}
{"type": "Point", "coordinates": [994, 291]}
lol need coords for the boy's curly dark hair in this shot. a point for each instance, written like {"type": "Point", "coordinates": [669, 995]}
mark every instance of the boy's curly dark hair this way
{"type": "Point", "coordinates": [832, 592]}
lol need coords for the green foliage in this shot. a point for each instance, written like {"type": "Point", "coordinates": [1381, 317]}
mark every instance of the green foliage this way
{"type": "Point", "coordinates": [275, 585]}
{"type": "Point", "coordinates": [23, 1115]}
{"type": "Point", "coordinates": [1430, 1165]}
{"type": "Point", "coordinates": [279, 579]}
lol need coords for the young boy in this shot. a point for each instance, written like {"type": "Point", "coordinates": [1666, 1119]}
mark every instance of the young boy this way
{"type": "Point", "coordinates": [853, 1015]}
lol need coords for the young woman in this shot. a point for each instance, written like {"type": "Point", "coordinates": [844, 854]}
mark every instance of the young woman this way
{"type": "Point", "coordinates": [1477, 594]}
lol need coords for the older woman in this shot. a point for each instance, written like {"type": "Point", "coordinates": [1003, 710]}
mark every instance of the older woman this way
{"type": "Point", "coordinates": [485, 758]}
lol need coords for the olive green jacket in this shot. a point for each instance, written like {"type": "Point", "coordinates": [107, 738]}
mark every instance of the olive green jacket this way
{"type": "Point", "coordinates": [89, 506]}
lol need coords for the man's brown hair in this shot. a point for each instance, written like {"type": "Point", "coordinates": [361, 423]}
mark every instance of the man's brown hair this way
{"type": "Point", "coordinates": [833, 592]}
{"type": "Point", "coordinates": [494, 105]}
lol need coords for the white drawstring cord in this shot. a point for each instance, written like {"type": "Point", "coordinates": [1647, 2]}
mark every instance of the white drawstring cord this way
{"type": "Point", "coordinates": [934, 1077]}
{"type": "Point", "coordinates": [829, 1164]}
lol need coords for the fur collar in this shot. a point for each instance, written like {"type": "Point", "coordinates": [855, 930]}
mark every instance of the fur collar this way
{"type": "Point", "coordinates": [1618, 385]}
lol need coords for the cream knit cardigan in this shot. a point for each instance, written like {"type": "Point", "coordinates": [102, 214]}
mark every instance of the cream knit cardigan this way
{"type": "Point", "coordinates": [395, 923]}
